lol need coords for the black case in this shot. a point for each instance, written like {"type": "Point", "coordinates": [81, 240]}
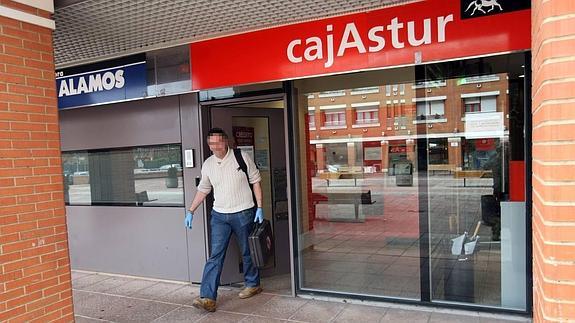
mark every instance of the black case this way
{"type": "Point", "coordinates": [261, 243]}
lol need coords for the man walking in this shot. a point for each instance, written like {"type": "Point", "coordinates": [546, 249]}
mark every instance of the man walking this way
{"type": "Point", "coordinates": [232, 212]}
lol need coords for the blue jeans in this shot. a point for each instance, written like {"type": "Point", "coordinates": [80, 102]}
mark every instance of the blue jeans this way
{"type": "Point", "coordinates": [222, 225]}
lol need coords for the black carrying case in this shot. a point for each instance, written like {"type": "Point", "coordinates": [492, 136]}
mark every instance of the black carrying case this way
{"type": "Point", "coordinates": [261, 244]}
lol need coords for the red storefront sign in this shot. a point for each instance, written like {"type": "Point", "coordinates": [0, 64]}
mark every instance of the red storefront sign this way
{"type": "Point", "coordinates": [425, 31]}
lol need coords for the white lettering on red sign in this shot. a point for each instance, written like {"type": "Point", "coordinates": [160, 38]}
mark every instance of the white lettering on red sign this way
{"type": "Point", "coordinates": [352, 39]}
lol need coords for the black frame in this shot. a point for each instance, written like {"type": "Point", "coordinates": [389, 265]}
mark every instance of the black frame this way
{"type": "Point", "coordinates": [127, 204]}
{"type": "Point", "coordinates": [425, 282]}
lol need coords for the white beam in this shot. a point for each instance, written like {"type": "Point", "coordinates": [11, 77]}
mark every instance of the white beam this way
{"type": "Point", "coordinates": [26, 17]}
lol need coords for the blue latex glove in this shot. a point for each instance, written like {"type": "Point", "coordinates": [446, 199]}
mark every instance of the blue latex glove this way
{"type": "Point", "coordinates": [259, 215]}
{"type": "Point", "coordinates": [189, 217]}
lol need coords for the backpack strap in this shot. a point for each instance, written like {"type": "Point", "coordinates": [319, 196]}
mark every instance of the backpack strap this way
{"type": "Point", "coordinates": [241, 162]}
{"type": "Point", "coordinates": [244, 168]}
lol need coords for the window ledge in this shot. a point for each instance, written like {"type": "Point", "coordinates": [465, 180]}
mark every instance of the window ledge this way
{"type": "Point", "coordinates": [333, 127]}
{"type": "Point", "coordinates": [366, 125]}
{"type": "Point", "coordinates": [442, 120]}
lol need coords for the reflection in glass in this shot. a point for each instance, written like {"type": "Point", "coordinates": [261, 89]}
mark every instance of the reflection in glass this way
{"type": "Point", "coordinates": [140, 176]}
{"type": "Point", "coordinates": [360, 233]}
{"type": "Point", "coordinates": [401, 167]}
{"type": "Point", "coordinates": [168, 71]}
{"type": "Point", "coordinates": [468, 184]}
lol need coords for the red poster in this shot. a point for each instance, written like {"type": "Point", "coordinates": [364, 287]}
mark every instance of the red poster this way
{"type": "Point", "coordinates": [398, 149]}
{"type": "Point", "coordinates": [421, 32]}
{"type": "Point", "coordinates": [487, 144]}
{"type": "Point", "coordinates": [244, 136]}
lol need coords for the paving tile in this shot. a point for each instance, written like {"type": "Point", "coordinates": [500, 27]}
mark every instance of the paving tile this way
{"type": "Point", "coordinates": [360, 313]}
{"type": "Point", "coordinates": [182, 314]}
{"type": "Point", "coordinates": [280, 285]}
{"type": "Point", "coordinates": [87, 280]}
{"type": "Point", "coordinates": [501, 318]}
{"type": "Point", "coordinates": [107, 284]}
{"type": "Point", "coordinates": [222, 317]}
{"type": "Point", "coordinates": [317, 311]}
{"type": "Point", "coordinates": [400, 315]}
{"type": "Point", "coordinates": [91, 304]}
{"type": "Point", "coordinates": [157, 291]}
{"type": "Point", "coordinates": [79, 295]}
{"type": "Point", "coordinates": [452, 318]}
{"type": "Point", "coordinates": [81, 319]}
{"type": "Point", "coordinates": [260, 319]}
{"type": "Point", "coordinates": [130, 287]}
{"type": "Point", "coordinates": [121, 309]}
{"type": "Point", "coordinates": [184, 295]}
{"type": "Point", "coordinates": [246, 306]}
{"type": "Point", "coordinates": [280, 307]}
{"type": "Point", "coordinates": [78, 274]}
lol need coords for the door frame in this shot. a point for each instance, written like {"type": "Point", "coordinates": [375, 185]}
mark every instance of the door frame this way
{"type": "Point", "coordinates": [205, 121]}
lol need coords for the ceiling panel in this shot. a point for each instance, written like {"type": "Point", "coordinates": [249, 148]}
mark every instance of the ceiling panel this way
{"type": "Point", "coordinates": [92, 30]}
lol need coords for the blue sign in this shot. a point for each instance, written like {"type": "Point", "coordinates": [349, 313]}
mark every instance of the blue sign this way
{"type": "Point", "coordinates": [122, 80]}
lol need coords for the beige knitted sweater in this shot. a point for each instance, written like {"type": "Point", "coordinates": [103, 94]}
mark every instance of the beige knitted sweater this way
{"type": "Point", "coordinates": [231, 189]}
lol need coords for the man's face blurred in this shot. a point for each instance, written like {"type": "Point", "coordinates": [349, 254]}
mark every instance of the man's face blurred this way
{"type": "Point", "coordinates": [218, 145]}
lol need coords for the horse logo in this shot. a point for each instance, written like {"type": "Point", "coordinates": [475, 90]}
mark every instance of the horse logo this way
{"type": "Point", "coordinates": [480, 4]}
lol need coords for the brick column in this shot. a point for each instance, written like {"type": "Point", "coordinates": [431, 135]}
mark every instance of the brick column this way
{"type": "Point", "coordinates": [34, 261]}
{"type": "Point", "coordinates": [553, 106]}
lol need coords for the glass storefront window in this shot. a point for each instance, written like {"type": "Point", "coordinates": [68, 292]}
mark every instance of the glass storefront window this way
{"type": "Point", "coordinates": [355, 234]}
{"type": "Point", "coordinates": [138, 176]}
{"type": "Point", "coordinates": [480, 104]}
{"type": "Point", "coordinates": [168, 71]}
{"type": "Point", "coordinates": [334, 119]}
{"type": "Point", "coordinates": [431, 110]}
{"type": "Point", "coordinates": [366, 116]}
{"type": "Point", "coordinates": [417, 206]}
{"type": "Point", "coordinates": [237, 91]}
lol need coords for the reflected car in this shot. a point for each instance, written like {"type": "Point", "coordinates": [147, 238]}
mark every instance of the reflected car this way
{"type": "Point", "coordinates": [166, 167]}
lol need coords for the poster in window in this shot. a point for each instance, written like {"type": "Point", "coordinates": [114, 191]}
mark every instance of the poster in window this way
{"type": "Point", "coordinates": [372, 153]}
{"type": "Point", "coordinates": [244, 136]}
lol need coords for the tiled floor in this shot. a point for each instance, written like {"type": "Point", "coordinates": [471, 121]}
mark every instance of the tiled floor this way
{"type": "Point", "coordinates": [379, 255]}
{"type": "Point", "coordinates": [106, 298]}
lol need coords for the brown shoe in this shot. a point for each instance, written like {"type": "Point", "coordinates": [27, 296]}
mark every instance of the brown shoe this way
{"type": "Point", "coordinates": [205, 304]}
{"type": "Point", "coordinates": [250, 291]}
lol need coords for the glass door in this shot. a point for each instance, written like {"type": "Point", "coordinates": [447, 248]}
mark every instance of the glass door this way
{"type": "Point", "coordinates": [476, 180]}
{"type": "Point", "coordinates": [359, 230]}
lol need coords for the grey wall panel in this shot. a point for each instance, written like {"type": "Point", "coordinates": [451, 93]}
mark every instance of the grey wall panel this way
{"type": "Point", "coordinates": [135, 123]}
{"type": "Point", "coordinates": [192, 139]}
{"type": "Point", "coordinates": [149, 242]}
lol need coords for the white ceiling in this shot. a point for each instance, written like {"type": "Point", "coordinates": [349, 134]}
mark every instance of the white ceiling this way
{"type": "Point", "coordinates": [93, 30]}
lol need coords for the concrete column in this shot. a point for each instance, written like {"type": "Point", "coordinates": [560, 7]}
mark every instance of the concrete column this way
{"type": "Point", "coordinates": [410, 150]}
{"type": "Point", "coordinates": [384, 156]}
{"type": "Point", "coordinates": [320, 157]}
{"type": "Point", "coordinates": [454, 152]}
{"type": "Point", "coordinates": [351, 154]}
